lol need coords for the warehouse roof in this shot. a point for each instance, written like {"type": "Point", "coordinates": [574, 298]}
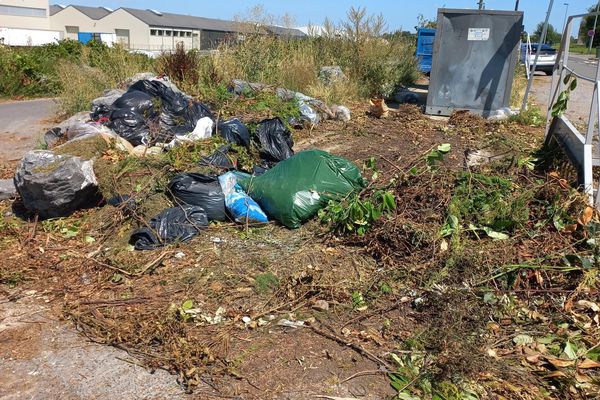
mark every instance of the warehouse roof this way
{"type": "Point", "coordinates": [156, 18]}
{"type": "Point", "coordinates": [92, 12]}
{"type": "Point", "coordinates": [170, 20]}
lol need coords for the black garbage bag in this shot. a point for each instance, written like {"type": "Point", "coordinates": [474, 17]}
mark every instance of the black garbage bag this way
{"type": "Point", "coordinates": [274, 140]}
{"type": "Point", "coordinates": [179, 113]}
{"type": "Point", "coordinates": [258, 170]}
{"type": "Point", "coordinates": [125, 202]}
{"type": "Point", "coordinates": [151, 103]}
{"type": "Point", "coordinates": [130, 116]}
{"type": "Point", "coordinates": [200, 190]}
{"type": "Point", "coordinates": [219, 159]}
{"type": "Point", "coordinates": [173, 224]}
{"type": "Point", "coordinates": [234, 131]}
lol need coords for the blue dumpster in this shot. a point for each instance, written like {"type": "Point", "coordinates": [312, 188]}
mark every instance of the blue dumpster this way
{"type": "Point", "coordinates": [425, 39]}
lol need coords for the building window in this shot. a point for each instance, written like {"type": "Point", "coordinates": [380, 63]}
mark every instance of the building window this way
{"type": "Point", "coordinates": [188, 34]}
{"type": "Point", "coordinates": [23, 11]}
{"type": "Point", "coordinates": [160, 32]}
{"type": "Point", "coordinates": [175, 33]}
{"type": "Point", "coordinates": [152, 32]}
{"type": "Point", "coordinates": [168, 33]}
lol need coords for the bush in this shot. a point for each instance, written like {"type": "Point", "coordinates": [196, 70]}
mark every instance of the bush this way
{"type": "Point", "coordinates": [68, 68]}
{"type": "Point", "coordinates": [31, 72]}
{"type": "Point", "coordinates": [180, 65]}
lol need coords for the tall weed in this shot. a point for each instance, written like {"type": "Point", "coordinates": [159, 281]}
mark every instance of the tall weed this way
{"type": "Point", "coordinates": [374, 65]}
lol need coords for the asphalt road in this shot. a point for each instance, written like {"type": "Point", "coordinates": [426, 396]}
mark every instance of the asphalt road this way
{"type": "Point", "coordinates": [584, 65]}
{"type": "Point", "coordinates": [21, 124]}
{"type": "Point", "coordinates": [581, 98]}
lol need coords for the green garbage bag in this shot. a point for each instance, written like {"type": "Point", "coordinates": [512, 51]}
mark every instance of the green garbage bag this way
{"type": "Point", "coordinates": [294, 190]}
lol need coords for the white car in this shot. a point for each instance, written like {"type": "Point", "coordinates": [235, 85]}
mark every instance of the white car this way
{"type": "Point", "coordinates": [546, 59]}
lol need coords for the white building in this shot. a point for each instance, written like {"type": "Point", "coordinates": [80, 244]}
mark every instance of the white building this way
{"type": "Point", "coordinates": [133, 28]}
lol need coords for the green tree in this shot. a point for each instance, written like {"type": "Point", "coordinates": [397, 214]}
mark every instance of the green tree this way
{"type": "Point", "coordinates": [587, 24]}
{"type": "Point", "coordinates": [552, 36]}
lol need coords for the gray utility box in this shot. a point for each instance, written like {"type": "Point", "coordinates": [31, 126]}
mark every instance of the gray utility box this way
{"type": "Point", "coordinates": [474, 58]}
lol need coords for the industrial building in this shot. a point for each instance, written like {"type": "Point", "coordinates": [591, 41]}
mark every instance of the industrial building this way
{"type": "Point", "coordinates": [28, 22]}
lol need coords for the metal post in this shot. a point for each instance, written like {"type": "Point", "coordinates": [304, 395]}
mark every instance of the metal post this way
{"type": "Point", "coordinates": [481, 4]}
{"type": "Point", "coordinates": [595, 22]}
{"type": "Point", "coordinates": [517, 5]}
{"type": "Point", "coordinates": [537, 55]}
{"type": "Point", "coordinates": [566, 11]}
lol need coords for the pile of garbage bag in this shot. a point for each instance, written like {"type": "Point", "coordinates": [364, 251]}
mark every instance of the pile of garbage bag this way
{"type": "Point", "coordinates": [151, 112]}
{"type": "Point", "coordinates": [291, 193]}
{"type": "Point", "coordinates": [283, 186]}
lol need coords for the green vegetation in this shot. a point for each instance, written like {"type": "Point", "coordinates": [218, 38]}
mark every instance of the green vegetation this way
{"type": "Point", "coordinates": [75, 72]}
{"type": "Point", "coordinates": [560, 106]}
{"type": "Point", "coordinates": [490, 204]}
{"type": "Point", "coordinates": [553, 37]}
{"type": "Point", "coordinates": [587, 24]}
{"type": "Point", "coordinates": [266, 282]}
{"type": "Point", "coordinates": [373, 65]}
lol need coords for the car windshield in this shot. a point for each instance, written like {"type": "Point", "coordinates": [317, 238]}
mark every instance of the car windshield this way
{"type": "Point", "coordinates": [545, 48]}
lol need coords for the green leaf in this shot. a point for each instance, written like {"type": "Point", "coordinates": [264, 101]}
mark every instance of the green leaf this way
{"type": "Point", "coordinates": [187, 305]}
{"type": "Point", "coordinates": [523, 339]}
{"type": "Point", "coordinates": [546, 339]}
{"type": "Point", "coordinates": [69, 232]}
{"type": "Point", "coordinates": [444, 148]}
{"type": "Point", "coordinates": [495, 235]}
{"type": "Point", "coordinates": [594, 354]}
{"type": "Point", "coordinates": [566, 80]}
{"type": "Point", "coordinates": [89, 239]}
{"type": "Point", "coordinates": [573, 84]}
{"type": "Point", "coordinates": [570, 350]}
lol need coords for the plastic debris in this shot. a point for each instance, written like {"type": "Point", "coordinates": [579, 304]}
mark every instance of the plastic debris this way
{"type": "Point", "coordinates": [219, 159]}
{"type": "Point", "coordinates": [54, 185]}
{"type": "Point", "coordinates": [202, 131]}
{"type": "Point", "coordinates": [241, 206]}
{"type": "Point", "coordinates": [151, 111]}
{"type": "Point", "coordinates": [331, 74]}
{"type": "Point", "coordinates": [275, 140]}
{"type": "Point", "coordinates": [200, 190]}
{"type": "Point", "coordinates": [290, 324]}
{"type": "Point", "coordinates": [235, 132]}
{"type": "Point", "coordinates": [101, 105]}
{"type": "Point", "coordinates": [173, 224]}
{"type": "Point", "coordinates": [294, 190]}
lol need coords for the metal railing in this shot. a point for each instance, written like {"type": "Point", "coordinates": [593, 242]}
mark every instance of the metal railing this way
{"type": "Point", "coordinates": [527, 60]}
{"type": "Point", "coordinates": [582, 150]}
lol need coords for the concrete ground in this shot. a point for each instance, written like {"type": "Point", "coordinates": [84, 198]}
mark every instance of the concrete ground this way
{"type": "Point", "coordinates": [44, 358]}
{"type": "Point", "coordinates": [21, 125]}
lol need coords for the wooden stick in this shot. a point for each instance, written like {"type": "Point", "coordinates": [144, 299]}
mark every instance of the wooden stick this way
{"type": "Point", "coordinates": [353, 346]}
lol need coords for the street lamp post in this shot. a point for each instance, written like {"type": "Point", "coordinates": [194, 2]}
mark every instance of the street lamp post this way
{"type": "Point", "coordinates": [594, 33]}
{"type": "Point", "coordinates": [566, 12]}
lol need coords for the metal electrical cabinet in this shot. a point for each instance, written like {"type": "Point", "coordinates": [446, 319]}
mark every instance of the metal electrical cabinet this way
{"type": "Point", "coordinates": [474, 58]}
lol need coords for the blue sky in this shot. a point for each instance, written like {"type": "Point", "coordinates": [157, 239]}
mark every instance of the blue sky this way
{"type": "Point", "coordinates": [398, 13]}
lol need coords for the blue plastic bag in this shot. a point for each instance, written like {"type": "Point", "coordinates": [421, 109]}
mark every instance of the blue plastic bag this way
{"type": "Point", "coordinates": [238, 203]}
